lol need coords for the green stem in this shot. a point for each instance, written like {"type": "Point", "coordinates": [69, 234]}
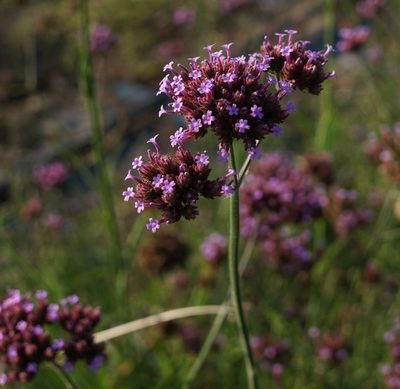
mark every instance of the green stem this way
{"type": "Point", "coordinates": [64, 376]}
{"type": "Point", "coordinates": [218, 321]}
{"type": "Point", "coordinates": [234, 279]}
{"type": "Point", "coordinates": [89, 91]}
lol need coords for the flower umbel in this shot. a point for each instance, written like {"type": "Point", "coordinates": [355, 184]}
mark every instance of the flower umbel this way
{"type": "Point", "coordinates": [25, 341]}
{"type": "Point", "coordinates": [293, 62]}
{"type": "Point", "coordinates": [230, 96]}
{"type": "Point", "coordinates": [173, 184]}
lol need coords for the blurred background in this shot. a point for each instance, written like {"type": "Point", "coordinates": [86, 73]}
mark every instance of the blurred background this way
{"type": "Point", "coordinates": [318, 326]}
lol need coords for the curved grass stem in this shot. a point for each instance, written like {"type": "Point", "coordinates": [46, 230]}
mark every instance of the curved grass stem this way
{"type": "Point", "coordinates": [140, 324]}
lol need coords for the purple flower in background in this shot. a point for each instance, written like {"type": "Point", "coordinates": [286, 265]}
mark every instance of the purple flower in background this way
{"type": "Point", "coordinates": [383, 150]}
{"type": "Point", "coordinates": [51, 175]}
{"type": "Point", "coordinates": [102, 39]}
{"type": "Point", "coordinates": [53, 221]}
{"type": "Point", "coordinates": [25, 339]}
{"type": "Point", "coordinates": [351, 39]}
{"type": "Point", "coordinates": [214, 248]}
{"type": "Point", "coordinates": [272, 355]}
{"type": "Point", "coordinates": [182, 16]}
{"type": "Point", "coordinates": [369, 8]}
{"type": "Point", "coordinates": [331, 348]}
{"type": "Point", "coordinates": [276, 192]}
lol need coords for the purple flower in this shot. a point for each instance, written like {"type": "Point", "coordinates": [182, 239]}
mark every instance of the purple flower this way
{"type": "Point", "coordinates": [255, 153]}
{"type": "Point", "coordinates": [228, 77]}
{"type": "Point", "coordinates": [242, 126]}
{"type": "Point", "coordinates": [223, 155]}
{"type": "Point", "coordinates": [351, 39]}
{"type": "Point", "coordinates": [195, 125]}
{"type": "Point", "coordinates": [206, 86]}
{"type": "Point", "coordinates": [21, 325]}
{"type": "Point", "coordinates": [102, 39]}
{"type": "Point", "coordinates": [214, 248]}
{"type": "Point", "coordinates": [28, 307]}
{"type": "Point", "coordinates": [157, 181]}
{"type": "Point", "coordinates": [128, 193]}
{"type": "Point", "coordinates": [195, 74]}
{"type": "Point", "coordinates": [139, 206]}
{"type": "Point", "coordinates": [167, 186]}
{"type": "Point", "coordinates": [178, 138]}
{"type": "Point", "coordinates": [256, 112]}
{"type": "Point", "coordinates": [96, 362]}
{"type": "Point", "coordinates": [31, 367]}
{"type": "Point", "coordinates": [3, 378]}
{"type": "Point", "coordinates": [52, 175]}
{"type": "Point", "coordinates": [202, 159]}
{"type": "Point", "coordinates": [153, 225]}
{"type": "Point", "coordinates": [291, 107]}
{"type": "Point", "coordinates": [177, 105]}
{"type": "Point", "coordinates": [137, 162]}
{"type": "Point", "coordinates": [58, 344]}
{"type": "Point", "coordinates": [208, 118]}
{"type": "Point", "coordinates": [73, 299]}
{"type": "Point", "coordinates": [226, 190]}
{"type": "Point", "coordinates": [233, 110]}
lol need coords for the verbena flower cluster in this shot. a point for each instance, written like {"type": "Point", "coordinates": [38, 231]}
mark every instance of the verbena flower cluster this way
{"type": "Point", "coordinates": [279, 200]}
{"type": "Point", "coordinates": [237, 98]}
{"type": "Point", "coordinates": [172, 184]}
{"type": "Point", "coordinates": [272, 355]}
{"type": "Point", "coordinates": [230, 6]}
{"type": "Point", "coordinates": [383, 150]}
{"type": "Point", "coordinates": [102, 39]}
{"type": "Point", "coordinates": [226, 95]}
{"type": "Point", "coordinates": [290, 254]}
{"type": "Point", "coordinates": [351, 39]}
{"type": "Point", "coordinates": [25, 335]}
{"type": "Point", "coordinates": [369, 8]}
{"type": "Point", "coordinates": [391, 372]}
{"type": "Point", "coordinates": [331, 347]}
{"type": "Point", "coordinates": [275, 193]}
{"type": "Point", "coordinates": [215, 248]}
{"type": "Point", "coordinates": [51, 175]}
{"type": "Point", "coordinates": [293, 62]}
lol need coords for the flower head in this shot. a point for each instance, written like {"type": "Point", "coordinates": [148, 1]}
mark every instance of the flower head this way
{"type": "Point", "coordinates": [25, 341]}
{"type": "Point", "coordinates": [173, 184]}
{"type": "Point", "coordinates": [52, 175]}
{"type": "Point", "coordinates": [102, 39]}
{"type": "Point", "coordinates": [228, 96]}
{"type": "Point", "coordinates": [214, 248]}
{"type": "Point", "coordinates": [351, 39]}
{"type": "Point", "coordinates": [296, 64]}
